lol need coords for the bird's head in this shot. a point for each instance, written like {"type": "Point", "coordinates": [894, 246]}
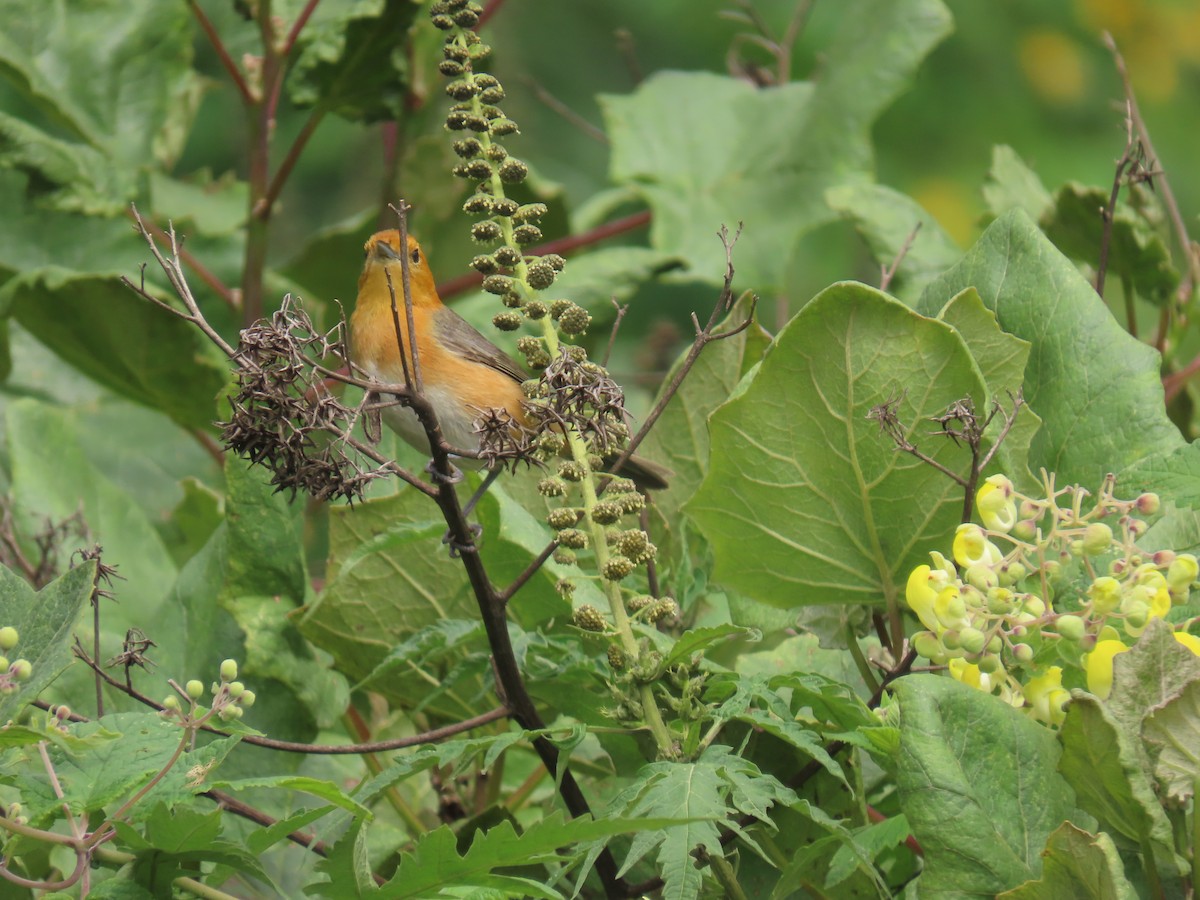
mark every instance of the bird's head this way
{"type": "Point", "coordinates": [383, 256]}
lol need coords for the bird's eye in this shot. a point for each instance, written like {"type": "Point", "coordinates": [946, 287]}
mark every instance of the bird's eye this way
{"type": "Point", "coordinates": [366, 252]}
{"type": "Point", "coordinates": [415, 256]}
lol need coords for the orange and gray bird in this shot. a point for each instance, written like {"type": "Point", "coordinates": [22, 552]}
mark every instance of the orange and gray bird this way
{"type": "Point", "coordinates": [462, 372]}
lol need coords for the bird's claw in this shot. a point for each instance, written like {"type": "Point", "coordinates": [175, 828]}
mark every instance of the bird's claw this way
{"type": "Point", "coordinates": [454, 477]}
{"type": "Point", "coordinates": [457, 549]}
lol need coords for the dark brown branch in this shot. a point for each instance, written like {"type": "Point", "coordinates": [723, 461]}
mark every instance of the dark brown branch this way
{"type": "Point", "coordinates": [1129, 160]}
{"type": "Point", "coordinates": [432, 736]}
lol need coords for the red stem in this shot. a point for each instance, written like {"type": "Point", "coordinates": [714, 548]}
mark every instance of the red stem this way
{"type": "Point", "coordinates": [222, 54]}
{"type": "Point", "coordinates": [464, 283]}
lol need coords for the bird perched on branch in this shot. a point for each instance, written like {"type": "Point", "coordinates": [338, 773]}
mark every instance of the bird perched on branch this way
{"type": "Point", "coordinates": [462, 373]}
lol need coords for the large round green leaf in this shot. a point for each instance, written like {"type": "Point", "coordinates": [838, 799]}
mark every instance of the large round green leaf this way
{"type": "Point", "coordinates": [805, 500]}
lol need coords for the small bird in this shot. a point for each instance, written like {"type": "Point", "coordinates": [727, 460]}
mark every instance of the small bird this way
{"type": "Point", "coordinates": [463, 374]}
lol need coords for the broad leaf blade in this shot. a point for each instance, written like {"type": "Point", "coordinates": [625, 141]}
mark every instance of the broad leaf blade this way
{"type": "Point", "coordinates": [1096, 388]}
{"type": "Point", "coordinates": [805, 501]}
{"type": "Point", "coordinates": [977, 782]}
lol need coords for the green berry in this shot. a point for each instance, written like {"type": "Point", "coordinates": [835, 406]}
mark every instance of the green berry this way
{"type": "Point", "coordinates": [8, 638]}
{"type": "Point", "coordinates": [195, 688]}
{"type": "Point", "coordinates": [247, 699]}
{"type": "Point", "coordinates": [573, 538]}
{"type": "Point", "coordinates": [616, 657]}
{"type": "Point", "coordinates": [506, 321]}
{"type": "Point", "coordinates": [972, 640]}
{"type": "Point", "coordinates": [561, 518]}
{"type": "Point", "coordinates": [1097, 539]}
{"type": "Point", "coordinates": [21, 669]}
{"type": "Point", "coordinates": [229, 670]}
{"type": "Point", "coordinates": [1071, 628]}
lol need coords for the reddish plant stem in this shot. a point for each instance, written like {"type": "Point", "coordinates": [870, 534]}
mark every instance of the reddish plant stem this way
{"type": "Point", "coordinates": [222, 53]}
{"type": "Point", "coordinates": [568, 244]}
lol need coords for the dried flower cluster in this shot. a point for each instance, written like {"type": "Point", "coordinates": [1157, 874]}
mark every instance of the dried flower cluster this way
{"type": "Point", "coordinates": [282, 414]}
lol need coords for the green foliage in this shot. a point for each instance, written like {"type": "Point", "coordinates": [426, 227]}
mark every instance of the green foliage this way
{"type": "Point", "coordinates": [978, 784]}
{"type": "Point", "coordinates": [750, 729]}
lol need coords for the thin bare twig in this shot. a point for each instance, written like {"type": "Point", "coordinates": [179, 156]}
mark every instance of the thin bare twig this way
{"type": "Point", "coordinates": [704, 337]}
{"type": "Point", "coordinates": [1163, 186]}
{"type": "Point", "coordinates": [887, 273]}
{"type": "Point", "coordinates": [569, 115]}
{"type": "Point", "coordinates": [612, 335]}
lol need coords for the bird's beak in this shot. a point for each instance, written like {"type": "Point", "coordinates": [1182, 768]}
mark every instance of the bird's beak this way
{"type": "Point", "coordinates": [386, 251]}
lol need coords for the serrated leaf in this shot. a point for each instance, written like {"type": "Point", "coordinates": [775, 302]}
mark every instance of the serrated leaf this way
{"type": "Point", "coordinates": [44, 620]}
{"type": "Point", "coordinates": [1175, 729]}
{"type": "Point", "coordinates": [825, 508]}
{"type": "Point", "coordinates": [769, 154]}
{"type": "Point", "coordinates": [1012, 185]}
{"type": "Point", "coordinates": [709, 791]}
{"type": "Point", "coordinates": [435, 861]}
{"type": "Point", "coordinates": [1096, 388]}
{"type": "Point", "coordinates": [1002, 359]}
{"type": "Point", "coordinates": [111, 770]}
{"type": "Point", "coordinates": [978, 785]}
{"type": "Point", "coordinates": [1077, 866]}
{"type": "Point", "coordinates": [1101, 762]}
{"type": "Point", "coordinates": [869, 842]}
{"type": "Point", "coordinates": [1154, 671]}
{"type": "Point", "coordinates": [351, 59]}
{"type": "Point", "coordinates": [886, 218]}
{"type": "Point", "coordinates": [128, 345]}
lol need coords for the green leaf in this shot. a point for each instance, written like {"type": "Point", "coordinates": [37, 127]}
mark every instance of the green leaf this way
{"type": "Point", "coordinates": [125, 343]}
{"type": "Point", "coordinates": [389, 576]}
{"type": "Point", "coordinates": [1155, 671]}
{"type": "Point", "coordinates": [869, 842]}
{"type": "Point", "coordinates": [710, 792]}
{"type": "Point", "coordinates": [1012, 185]}
{"type": "Point", "coordinates": [176, 839]}
{"type": "Point", "coordinates": [885, 219]}
{"type": "Point", "coordinates": [214, 206]}
{"type": "Point", "coordinates": [110, 106]}
{"type": "Point", "coordinates": [1095, 387]}
{"type": "Point", "coordinates": [1138, 254]}
{"type": "Point", "coordinates": [1077, 866]}
{"type": "Point", "coordinates": [351, 59]}
{"type": "Point", "coordinates": [322, 790]}
{"type": "Point", "coordinates": [265, 555]}
{"type": "Point", "coordinates": [1175, 475]}
{"type": "Point", "coordinates": [706, 150]}
{"type": "Point", "coordinates": [52, 478]}
{"type": "Point", "coordinates": [697, 640]}
{"type": "Point", "coordinates": [112, 770]}
{"type": "Point", "coordinates": [826, 510]}
{"type": "Point", "coordinates": [977, 782]}
{"type": "Point", "coordinates": [348, 866]}
{"type": "Point", "coordinates": [436, 863]}
{"type": "Point", "coordinates": [1175, 729]}
{"type": "Point", "coordinates": [1002, 359]}
{"type": "Point", "coordinates": [44, 620]}
{"type": "Point", "coordinates": [1100, 761]}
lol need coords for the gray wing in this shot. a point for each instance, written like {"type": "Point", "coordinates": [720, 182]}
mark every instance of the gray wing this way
{"type": "Point", "coordinates": [457, 334]}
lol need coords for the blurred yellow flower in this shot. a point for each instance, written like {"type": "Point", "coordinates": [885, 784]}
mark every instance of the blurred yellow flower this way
{"type": "Point", "coordinates": [1099, 664]}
